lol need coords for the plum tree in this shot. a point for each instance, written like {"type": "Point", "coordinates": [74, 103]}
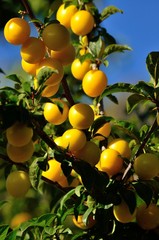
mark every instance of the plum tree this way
{"type": "Point", "coordinates": [81, 173]}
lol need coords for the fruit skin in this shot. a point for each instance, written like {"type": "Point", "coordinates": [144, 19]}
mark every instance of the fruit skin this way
{"type": "Point", "coordinates": [111, 162]}
{"type": "Point", "coordinates": [146, 166]}
{"type": "Point", "coordinates": [55, 65]}
{"type": "Point", "coordinates": [56, 112]}
{"type": "Point", "coordinates": [33, 50]}
{"type": "Point", "coordinates": [121, 146]}
{"type": "Point", "coordinates": [147, 217]}
{"type": "Point", "coordinates": [122, 213]}
{"type": "Point", "coordinates": [16, 31]}
{"type": "Point", "coordinates": [56, 36]}
{"type": "Point", "coordinates": [20, 154]}
{"type": "Point", "coordinates": [82, 22]}
{"type": "Point", "coordinates": [94, 83]}
{"type": "Point", "coordinates": [79, 69]}
{"type": "Point", "coordinates": [59, 142]}
{"type": "Point", "coordinates": [89, 153]}
{"type": "Point", "coordinates": [19, 218]}
{"type": "Point", "coordinates": [18, 183]}
{"type": "Point", "coordinates": [104, 130]}
{"type": "Point", "coordinates": [64, 14]}
{"type": "Point", "coordinates": [29, 67]}
{"type": "Point", "coordinates": [81, 116]}
{"type": "Point", "coordinates": [54, 172]}
{"type": "Point", "coordinates": [19, 134]}
{"type": "Point", "coordinates": [65, 56]}
{"type": "Point", "coordinates": [82, 225]}
{"type": "Point", "coordinates": [74, 139]}
{"type": "Point", "coordinates": [50, 91]}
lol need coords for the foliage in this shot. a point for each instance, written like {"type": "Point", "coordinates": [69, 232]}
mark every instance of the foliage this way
{"type": "Point", "coordinates": [85, 190]}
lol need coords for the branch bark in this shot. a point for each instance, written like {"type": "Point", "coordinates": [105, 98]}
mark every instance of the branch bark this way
{"type": "Point", "coordinates": [30, 13]}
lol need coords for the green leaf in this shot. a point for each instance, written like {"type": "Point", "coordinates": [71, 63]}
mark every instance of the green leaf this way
{"type": "Point", "coordinates": [14, 78]}
{"type": "Point", "coordinates": [2, 202]}
{"type": "Point", "coordinates": [141, 88]}
{"type": "Point", "coordinates": [12, 235]}
{"type": "Point", "coordinates": [108, 11]}
{"type": "Point", "coordinates": [116, 88]}
{"type": "Point", "coordinates": [1, 71]}
{"type": "Point", "coordinates": [133, 101]}
{"type": "Point", "coordinates": [26, 87]}
{"type": "Point", "coordinates": [146, 89]}
{"type": "Point", "coordinates": [4, 231]}
{"type": "Point", "coordinates": [78, 190]}
{"type": "Point", "coordinates": [60, 105]}
{"type": "Point", "coordinates": [66, 197]}
{"type": "Point", "coordinates": [144, 191]}
{"type": "Point", "coordinates": [126, 127]}
{"type": "Point", "coordinates": [95, 179]}
{"type": "Point", "coordinates": [54, 7]}
{"type": "Point", "coordinates": [112, 98]}
{"type": "Point", "coordinates": [143, 131]}
{"type": "Point", "coordinates": [99, 122]}
{"type": "Point", "coordinates": [79, 235]}
{"type": "Point", "coordinates": [130, 198]}
{"type": "Point", "coordinates": [66, 168]}
{"type": "Point", "coordinates": [96, 47]}
{"type": "Point", "coordinates": [152, 62]}
{"type": "Point", "coordinates": [35, 172]}
{"type": "Point", "coordinates": [44, 220]}
{"type": "Point", "coordinates": [44, 74]}
{"type": "Point", "coordinates": [13, 90]}
{"type": "Point", "coordinates": [86, 215]}
{"type": "Point", "coordinates": [47, 218]}
{"type": "Point", "coordinates": [85, 57]}
{"type": "Point", "coordinates": [112, 48]}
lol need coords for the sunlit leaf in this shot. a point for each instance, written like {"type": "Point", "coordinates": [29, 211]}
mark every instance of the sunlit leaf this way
{"type": "Point", "coordinates": [44, 74]}
{"type": "Point", "coordinates": [35, 171]}
{"type": "Point", "coordinates": [66, 197]}
{"type": "Point", "coordinates": [109, 11]}
{"type": "Point", "coordinates": [141, 88]}
{"type": "Point", "coordinates": [112, 48]}
{"type": "Point", "coordinates": [12, 235]}
{"type": "Point", "coordinates": [96, 47]}
{"type": "Point", "coordinates": [152, 62]}
{"type": "Point", "coordinates": [133, 101]}
{"type": "Point", "coordinates": [26, 87]}
{"type": "Point", "coordinates": [4, 231]}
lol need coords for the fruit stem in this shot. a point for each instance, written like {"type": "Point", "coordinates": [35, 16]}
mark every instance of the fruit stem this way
{"type": "Point", "coordinates": [30, 13]}
{"type": "Point", "coordinates": [67, 92]}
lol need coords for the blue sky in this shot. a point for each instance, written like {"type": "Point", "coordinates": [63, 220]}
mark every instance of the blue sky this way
{"type": "Point", "coordinates": [136, 27]}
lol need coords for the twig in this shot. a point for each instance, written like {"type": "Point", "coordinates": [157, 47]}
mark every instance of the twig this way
{"type": "Point", "coordinates": [50, 142]}
{"type": "Point", "coordinates": [152, 129]}
{"type": "Point", "coordinates": [30, 13]}
{"type": "Point", "coordinates": [67, 92]}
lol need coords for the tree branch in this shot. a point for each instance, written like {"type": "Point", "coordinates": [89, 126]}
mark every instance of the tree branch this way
{"type": "Point", "coordinates": [30, 13]}
{"type": "Point", "coordinates": [67, 92]}
{"type": "Point", "coordinates": [140, 150]}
